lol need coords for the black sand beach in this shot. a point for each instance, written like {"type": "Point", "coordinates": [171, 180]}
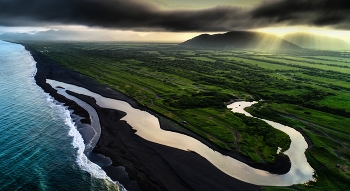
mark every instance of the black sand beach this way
{"type": "Point", "coordinates": [153, 166]}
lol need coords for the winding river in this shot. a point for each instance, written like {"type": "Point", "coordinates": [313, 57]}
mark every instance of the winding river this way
{"type": "Point", "coordinates": [148, 127]}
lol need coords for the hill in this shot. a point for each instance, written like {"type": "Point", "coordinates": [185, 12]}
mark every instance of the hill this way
{"type": "Point", "coordinates": [68, 35]}
{"type": "Point", "coordinates": [239, 40]}
{"type": "Point", "coordinates": [312, 41]}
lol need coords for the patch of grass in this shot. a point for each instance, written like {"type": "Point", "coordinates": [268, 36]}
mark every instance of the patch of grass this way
{"type": "Point", "coordinates": [307, 64]}
{"type": "Point", "coordinates": [341, 61]}
{"type": "Point", "coordinates": [202, 58]}
{"type": "Point", "coordinates": [261, 64]}
{"type": "Point", "coordinates": [340, 100]}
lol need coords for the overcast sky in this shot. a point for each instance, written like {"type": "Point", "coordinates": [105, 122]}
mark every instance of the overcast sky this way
{"type": "Point", "coordinates": [195, 16]}
{"type": "Point", "coordinates": [200, 4]}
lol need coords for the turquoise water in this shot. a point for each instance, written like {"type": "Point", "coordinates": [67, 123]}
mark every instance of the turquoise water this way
{"type": "Point", "coordinates": [39, 146]}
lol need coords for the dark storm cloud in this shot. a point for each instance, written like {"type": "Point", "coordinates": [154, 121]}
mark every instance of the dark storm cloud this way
{"type": "Point", "coordinates": [128, 14]}
{"type": "Point", "coordinates": [334, 13]}
{"type": "Point", "coordinates": [140, 15]}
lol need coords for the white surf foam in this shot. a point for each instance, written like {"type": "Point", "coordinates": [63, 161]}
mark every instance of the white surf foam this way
{"type": "Point", "coordinates": [78, 142]}
{"type": "Point", "coordinates": [82, 160]}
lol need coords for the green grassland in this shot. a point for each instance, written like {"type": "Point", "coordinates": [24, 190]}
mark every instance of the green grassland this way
{"type": "Point", "coordinates": [340, 59]}
{"type": "Point", "coordinates": [330, 152]}
{"type": "Point", "coordinates": [303, 89]}
{"type": "Point", "coordinates": [203, 59]}
{"type": "Point", "coordinates": [318, 60]}
{"type": "Point", "coordinates": [261, 64]}
{"type": "Point", "coordinates": [303, 62]}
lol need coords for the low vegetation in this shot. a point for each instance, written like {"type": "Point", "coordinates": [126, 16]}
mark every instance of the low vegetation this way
{"type": "Point", "coordinates": [329, 134]}
{"type": "Point", "coordinates": [303, 89]}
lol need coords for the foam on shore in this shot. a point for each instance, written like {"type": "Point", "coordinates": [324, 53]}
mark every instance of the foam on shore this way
{"type": "Point", "coordinates": [78, 143]}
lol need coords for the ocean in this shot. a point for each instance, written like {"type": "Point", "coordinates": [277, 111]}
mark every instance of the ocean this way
{"type": "Point", "coordinates": [40, 148]}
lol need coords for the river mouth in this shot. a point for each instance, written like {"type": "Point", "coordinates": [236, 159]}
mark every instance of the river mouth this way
{"type": "Point", "coordinates": [147, 126]}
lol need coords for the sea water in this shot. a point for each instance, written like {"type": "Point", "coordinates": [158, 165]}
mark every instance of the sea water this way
{"type": "Point", "coordinates": [40, 148]}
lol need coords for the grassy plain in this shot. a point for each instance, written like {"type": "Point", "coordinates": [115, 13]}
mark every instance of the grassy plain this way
{"type": "Point", "coordinates": [325, 60]}
{"type": "Point", "coordinates": [307, 63]}
{"type": "Point", "coordinates": [303, 89]}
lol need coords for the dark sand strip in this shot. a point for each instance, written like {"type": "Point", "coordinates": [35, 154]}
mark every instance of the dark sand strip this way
{"type": "Point", "coordinates": [92, 139]}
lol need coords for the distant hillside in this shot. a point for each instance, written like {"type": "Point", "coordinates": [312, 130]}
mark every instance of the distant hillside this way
{"type": "Point", "coordinates": [66, 35]}
{"type": "Point", "coordinates": [16, 36]}
{"type": "Point", "coordinates": [307, 40]}
{"type": "Point", "coordinates": [240, 40]}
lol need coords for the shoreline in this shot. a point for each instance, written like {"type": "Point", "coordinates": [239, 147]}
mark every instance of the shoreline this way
{"type": "Point", "coordinates": [146, 175]}
{"type": "Point", "coordinates": [281, 165]}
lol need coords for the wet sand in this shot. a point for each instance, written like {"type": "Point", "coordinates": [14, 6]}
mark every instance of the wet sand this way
{"type": "Point", "coordinates": [153, 166]}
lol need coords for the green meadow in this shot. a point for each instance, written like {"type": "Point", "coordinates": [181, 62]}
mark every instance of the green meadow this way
{"type": "Point", "coordinates": [307, 90]}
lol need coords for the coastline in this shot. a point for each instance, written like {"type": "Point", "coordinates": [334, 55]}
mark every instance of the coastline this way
{"type": "Point", "coordinates": [154, 166]}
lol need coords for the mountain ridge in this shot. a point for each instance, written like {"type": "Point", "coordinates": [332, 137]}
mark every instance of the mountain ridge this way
{"type": "Point", "coordinates": [239, 40]}
{"type": "Point", "coordinates": [313, 41]}
{"type": "Point", "coordinates": [67, 35]}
